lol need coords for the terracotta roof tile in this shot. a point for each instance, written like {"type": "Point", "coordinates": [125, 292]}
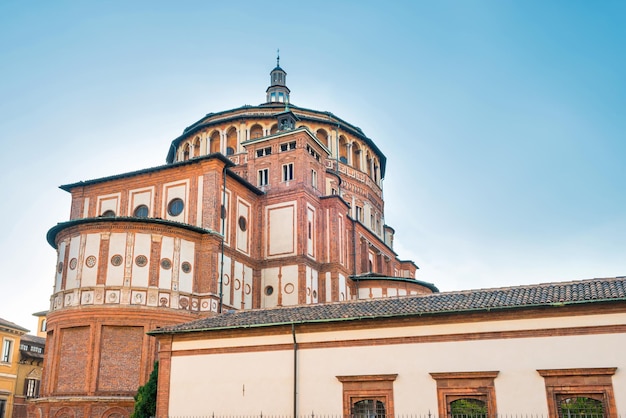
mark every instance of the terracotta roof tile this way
{"type": "Point", "coordinates": [518, 297]}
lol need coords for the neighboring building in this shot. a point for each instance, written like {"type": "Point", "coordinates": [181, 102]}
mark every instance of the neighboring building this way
{"type": "Point", "coordinates": [548, 350]}
{"type": "Point", "coordinates": [29, 371]}
{"type": "Point", "coordinates": [10, 335]}
{"type": "Point", "coordinates": [42, 323]}
{"type": "Point", "coordinates": [259, 206]}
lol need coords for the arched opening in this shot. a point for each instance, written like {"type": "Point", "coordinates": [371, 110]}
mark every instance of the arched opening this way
{"type": "Point", "coordinates": [468, 408]}
{"type": "Point", "coordinates": [322, 135]}
{"type": "Point", "coordinates": [343, 149]}
{"type": "Point", "coordinates": [274, 129]}
{"type": "Point", "coordinates": [581, 407]}
{"type": "Point", "coordinates": [256, 131]}
{"type": "Point", "coordinates": [369, 408]}
{"type": "Point", "coordinates": [196, 147]}
{"type": "Point", "coordinates": [368, 163]}
{"type": "Point", "coordinates": [231, 141]}
{"type": "Point", "coordinates": [356, 156]}
{"type": "Point", "coordinates": [186, 151]}
{"type": "Point", "coordinates": [215, 142]}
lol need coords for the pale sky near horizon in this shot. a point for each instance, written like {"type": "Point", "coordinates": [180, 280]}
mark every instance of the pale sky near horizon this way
{"type": "Point", "coordinates": [503, 122]}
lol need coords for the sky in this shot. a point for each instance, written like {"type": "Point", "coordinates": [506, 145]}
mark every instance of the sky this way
{"type": "Point", "coordinates": [503, 122]}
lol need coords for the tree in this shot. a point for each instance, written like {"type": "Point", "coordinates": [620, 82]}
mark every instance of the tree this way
{"type": "Point", "coordinates": [145, 399]}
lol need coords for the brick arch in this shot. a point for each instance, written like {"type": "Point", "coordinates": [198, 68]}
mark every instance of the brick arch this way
{"type": "Point", "coordinates": [196, 147]}
{"type": "Point", "coordinates": [215, 142]}
{"type": "Point", "coordinates": [274, 129]}
{"type": "Point", "coordinates": [256, 131]}
{"type": "Point", "coordinates": [64, 412]}
{"type": "Point", "coordinates": [231, 140]}
{"type": "Point", "coordinates": [116, 412]}
{"type": "Point", "coordinates": [322, 135]}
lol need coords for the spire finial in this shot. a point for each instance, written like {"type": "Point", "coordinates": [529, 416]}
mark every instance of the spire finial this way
{"type": "Point", "coordinates": [278, 57]}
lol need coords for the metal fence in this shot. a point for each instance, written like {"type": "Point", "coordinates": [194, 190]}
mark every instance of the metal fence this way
{"type": "Point", "coordinates": [422, 415]}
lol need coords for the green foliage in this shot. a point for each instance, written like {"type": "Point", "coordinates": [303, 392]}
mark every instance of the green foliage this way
{"type": "Point", "coordinates": [582, 407]}
{"type": "Point", "coordinates": [145, 399]}
{"type": "Point", "coordinates": [468, 408]}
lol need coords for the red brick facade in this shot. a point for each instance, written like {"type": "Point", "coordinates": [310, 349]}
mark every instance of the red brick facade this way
{"type": "Point", "coordinates": [257, 207]}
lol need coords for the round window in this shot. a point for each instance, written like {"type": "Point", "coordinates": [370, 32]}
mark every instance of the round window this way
{"type": "Point", "coordinates": [269, 290]}
{"type": "Point", "coordinates": [141, 211]}
{"type": "Point", "coordinates": [108, 214]}
{"type": "Point", "coordinates": [116, 260]}
{"type": "Point", "coordinates": [175, 207]}
{"type": "Point", "coordinates": [166, 263]}
{"type": "Point", "coordinates": [243, 224]}
{"type": "Point", "coordinates": [141, 260]}
{"type": "Point", "coordinates": [185, 267]}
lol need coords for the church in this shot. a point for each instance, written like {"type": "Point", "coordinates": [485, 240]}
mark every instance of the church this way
{"type": "Point", "coordinates": [257, 267]}
{"type": "Point", "coordinates": [256, 207]}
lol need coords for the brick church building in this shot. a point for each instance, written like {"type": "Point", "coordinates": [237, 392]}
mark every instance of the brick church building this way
{"type": "Point", "coordinates": [263, 206]}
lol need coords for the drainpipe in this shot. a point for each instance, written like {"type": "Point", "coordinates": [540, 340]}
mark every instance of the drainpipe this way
{"type": "Point", "coordinates": [222, 213]}
{"type": "Point", "coordinates": [295, 370]}
{"type": "Point", "coordinates": [354, 256]}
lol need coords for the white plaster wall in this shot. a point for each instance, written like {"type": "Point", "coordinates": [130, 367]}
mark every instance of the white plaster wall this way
{"type": "Point", "coordinates": [329, 289]}
{"type": "Point", "coordinates": [141, 197]}
{"type": "Point", "coordinates": [117, 246]}
{"type": "Point", "coordinates": [167, 251]}
{"type": "Point", "coordinates": [343, 291]}
{"type": "Point", "coordinates": [248, 288]}
{"type": "Point", "coordinates": [266, 375]}
{"type": "Point", "coordinates": [227, 282]}
{"type": "Point", "coordinates": [89, 275]}
{"type": "Point", "coordinates": [290, 277]}
{"type": "Point", "coordinates": [173, 191]}
{"type": "Point", "coordinates": [269, 277]}
{"type": "Point", "coordinates": [243, 210]}
{"type": "Point", "coordinates": [187, 253]}
{"type": "Point", "coordinates": [142, 247]}
{"type": "Point", "coordinates": [59, 275]}
{"type": "Point", "coordinates": [72, 279]}
{"type": "Point", "coordinates": [281, 237]}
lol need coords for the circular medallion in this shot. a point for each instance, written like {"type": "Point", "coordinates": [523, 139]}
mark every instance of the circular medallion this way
{"type": "Point", "coordinates": [237, 284]}
{"type": "Point", "coordinates": [243, 223]}
{"type": "Point", "coordinates": [248, 289]}
{"type": "Point", "coordinates": [226, 280]}
{"type": "Point", "coordinates": [314, 294]}
{"type": "Point", "coordinates": [73, 263]}
{"type": "Point", "coordinates": [90, 261]}
{"type": "Point", "coordinates": [141, 260]}
{"type": "Point", "coordinates": [289, 288]}
{"type": "Point", "coordinates": [116, 260]}
{"type": "Point", "coordinates": [185, 267]}
{"type": "Point", "coordinates": [166, 263]}
{"type": "Point", "coordinates": [184, 303]}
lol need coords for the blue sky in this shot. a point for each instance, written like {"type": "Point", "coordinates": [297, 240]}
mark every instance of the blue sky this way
{"type": "Point", "coordinates": [503, 122]}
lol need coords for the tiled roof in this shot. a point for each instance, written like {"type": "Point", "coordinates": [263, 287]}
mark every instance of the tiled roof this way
{"type": "Point", "coordinates": [518, 297]}
{"type": "Point", "coordinates": [34, 339]}
{"type": "Point", "coordinates": [12, 326]}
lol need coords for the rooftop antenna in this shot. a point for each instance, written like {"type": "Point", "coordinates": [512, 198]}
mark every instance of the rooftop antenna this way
{"type": "Point", "coordinates": [278, 57]}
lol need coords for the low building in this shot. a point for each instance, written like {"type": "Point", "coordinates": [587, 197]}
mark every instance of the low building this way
{"type": "Point", "coordinates": [539, 350]}
{"type": "Point", "coordinates": [10, 335]}
{"type": "Point", "coordinates": [29, 371]}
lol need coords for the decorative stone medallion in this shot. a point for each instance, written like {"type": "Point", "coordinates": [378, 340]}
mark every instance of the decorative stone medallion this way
{"type": "Point", "coordinates": [289, 288]}
{"type": "Point", "coordinates": [90, 261]}
{"type": "Point", "coordinates": [117, 260]}
{"type": "Point", "coordinates": [141, 260]}
{"type": "Point", "coordinates": [166, 264]}
{"type": "Point", "coordinates": [73, 263]}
